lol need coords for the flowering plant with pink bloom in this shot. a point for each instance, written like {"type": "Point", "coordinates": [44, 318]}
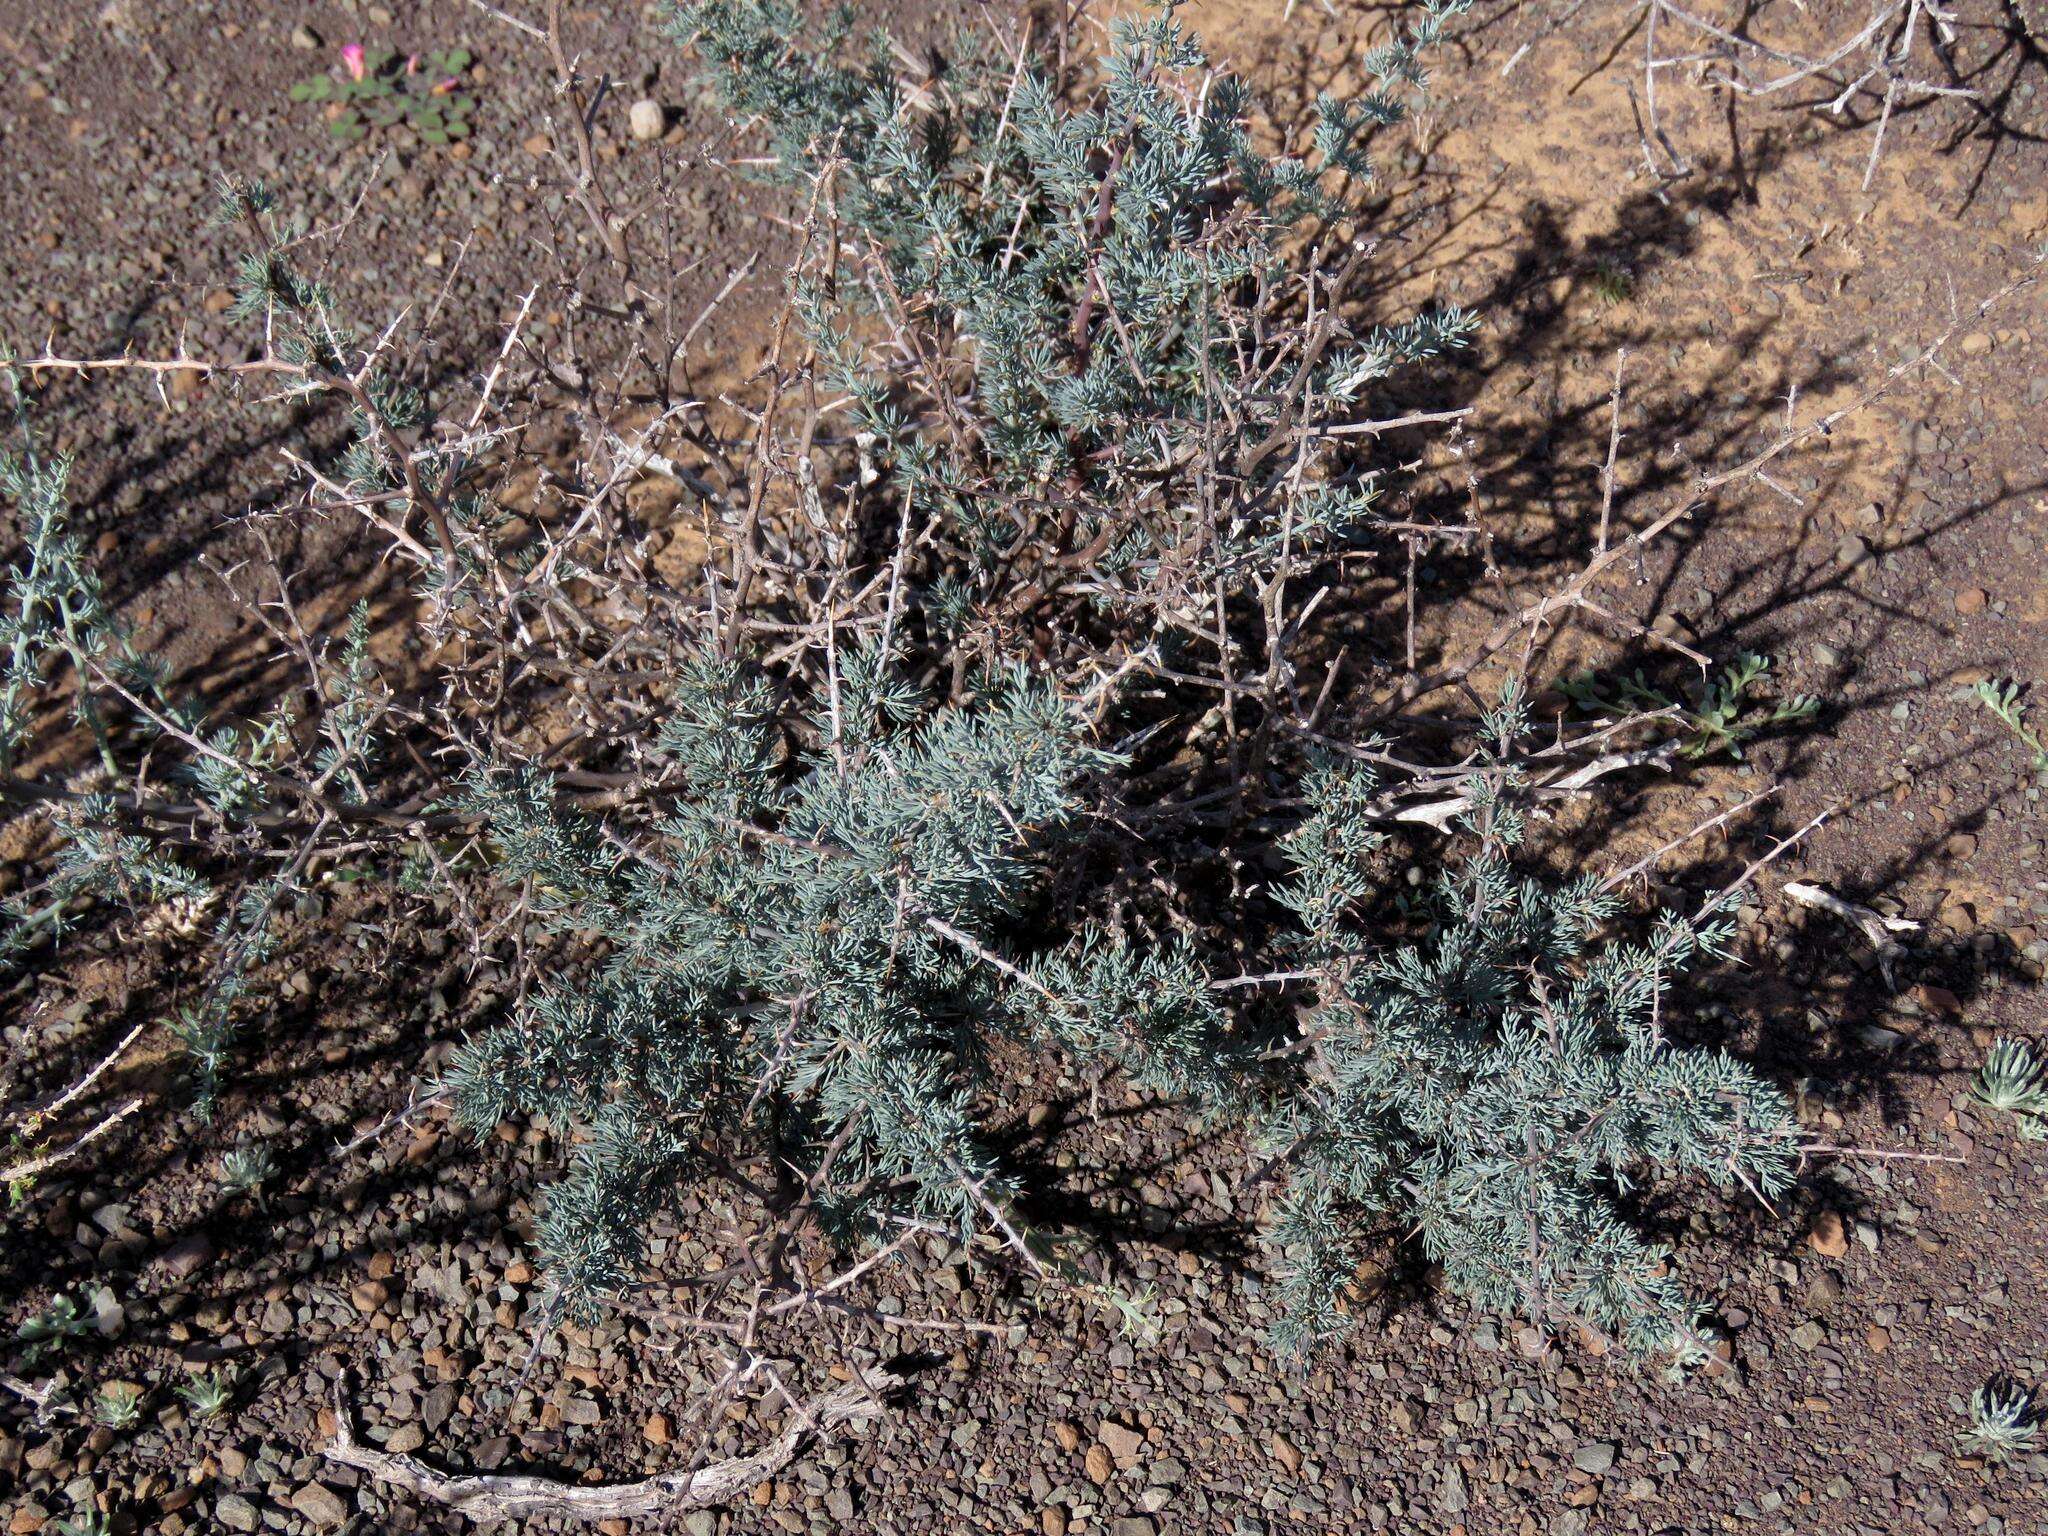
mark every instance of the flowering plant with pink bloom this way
{"type": "Point", "coordinates": [378, 88]}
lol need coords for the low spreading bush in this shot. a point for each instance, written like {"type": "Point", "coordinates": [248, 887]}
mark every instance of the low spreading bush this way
{"type": "Point", "coordinates": [1067, 410]}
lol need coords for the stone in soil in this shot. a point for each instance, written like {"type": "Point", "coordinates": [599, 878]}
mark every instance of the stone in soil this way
{"type": "Point", "coordinates": [1452, 1496]}
{"type": "Point", "coordinates": [1286, 1453]}
{"type": "Point", "coordinates": [1828, 1238]}
{"type": "Point", "coordinates": [1594, 1458]}
{"type": "Point", "coordinates": [1124, 1442]}
{"type": "Point", "coordinates": [647, 120]}
{"type": "Point", "coordinates": [320, 1504]}
{"type": "Point", "coordinates": [184, 1258]}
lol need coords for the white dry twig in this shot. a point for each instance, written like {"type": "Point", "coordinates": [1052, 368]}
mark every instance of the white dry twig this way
{"type": "Point", "coordinates": [490, 1497]}
{"type": "Point", "coordinates": [1875, 926]}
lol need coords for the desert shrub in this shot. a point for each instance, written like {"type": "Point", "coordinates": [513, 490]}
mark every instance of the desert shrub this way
{"type": "Point", "coordinates": [1069, 399]}
{"type": "Point", "coordinates": [1086, 379]}
{"type": "Point", "coordinates": [1496, 1082]}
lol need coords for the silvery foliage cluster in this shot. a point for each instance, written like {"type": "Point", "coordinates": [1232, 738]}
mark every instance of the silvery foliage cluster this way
{"type": "Point", "coordinates": [1495, 1084]}
{"type": "Point", "coordinates": [1117, 302]}
{"type": "Point", "coordinates": [804, 961]}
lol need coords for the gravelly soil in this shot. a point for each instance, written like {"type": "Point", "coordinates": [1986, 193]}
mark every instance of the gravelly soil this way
{"type": "Point", "coordinates": [1861, 1315]}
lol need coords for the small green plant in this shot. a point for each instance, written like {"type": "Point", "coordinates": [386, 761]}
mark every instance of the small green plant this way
{"type": "Point", "coordinates": [87, 1522]}
{"type": "Point", "coordinates": [1136, 1312]}
{"type": "Point", "coordinates": [246, 1169]}
{"type": "Point", "coordinates": [2003, 1423]}
{"type": "Point", "coordinates": [382, 89]}
{"type": "Point", "coordinates": [2011, 1080]}
{"type": "Point", "coordinates": [1612, 283]}
{"type": "Point", "coordinates": [1720, 717]}
{"type": "Point", "coordinates": [50, 1330]}
{"type": "Point", "coordinates": [208, 1395]}
{"type": "Point", "coordinates": [2004, 701]}
{"type": "Point", "coordinates": [118, 1405]}
{"type": "Point", "coordinates": [207, 1036]}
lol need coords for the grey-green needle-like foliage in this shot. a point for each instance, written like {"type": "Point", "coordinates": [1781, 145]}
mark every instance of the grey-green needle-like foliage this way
{"type": "Point", "coordinates": [1118, 307]}
{"type": "Point", "coordinates": [1494, 1085]}
{"type": "Point", "coordinates": [808, 955]}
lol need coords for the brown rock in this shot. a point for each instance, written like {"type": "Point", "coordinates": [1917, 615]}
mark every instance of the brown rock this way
{"type": "Point", "coordinates": [370, 1296]}
{"type": "Point", "coordinates": [184, 1257]}
{"type": "Point", "coordinates": [1937, 1000]}
{"type": "Point", "coordinates": [320, 1504]}
{"type": "Point", "coordinates": [1068, 1437]}
{"type": "Point", "coordinates": [1124, 1442]}
{"type": "Point", "coordinates": [1828, 1237]}
{"type": "Point", "coordinates": [657, 1429]}
{"type": "Point", "coordinates": [1052, 1521]}
{"type": "Point", "coordinates": [1877, 1339]}
{"type": "Point", "coordinates": [1972, 600]}
{"type": "Point", "coordinates": [1100, 1466]}
{"type": "Point", "coordinates": [1286, 1453]}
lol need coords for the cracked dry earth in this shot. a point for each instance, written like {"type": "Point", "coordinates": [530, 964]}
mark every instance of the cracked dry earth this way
{"type": "Point", "coordinates": [1898, 561]}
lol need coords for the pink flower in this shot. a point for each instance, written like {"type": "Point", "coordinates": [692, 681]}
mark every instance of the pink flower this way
{"type": "Point", "coordinates": [352, 60]}
{"type": "Point", "coordinates": [443, 86]}
{"type": "Point", "coordinates": [412, 64]}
